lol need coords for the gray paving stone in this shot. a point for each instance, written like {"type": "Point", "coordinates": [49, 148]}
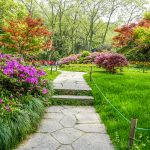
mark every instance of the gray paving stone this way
{"type": "Point", "coordinates": [54, 109]}
{"type": "Point", "coordinates": [97, 128]}
{"type": "Point", "coordinates": [80, 109]}
{"type": "Point", "coordinates": [93, 141]}
{"type": "Point", "coordinates": [68, 121]}
{"type": "Point", "coordinates": [48, 126]}
{"type": "Point", "coordinates": [85, 99]}
{"type": "Point", "coordinates": [67, 135]}
{"type": "Point", "coordinates": [71, 80]}
{"type": "Point", "coordinates": [87, 118]}
{"type": "Point", "coordinates": [54, 116]}
{"type": "Point", "coordinates": [65, 147]}
{"type": "Point", "coordinates": [40, 141]}
{"type": "Point", "coordinates": [75, 110]}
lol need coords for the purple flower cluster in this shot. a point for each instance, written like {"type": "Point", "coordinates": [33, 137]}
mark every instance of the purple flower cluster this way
{"type": "Point", "coordinates": [20, 80]}
{"type": "Point", "coordinates": [6, 107]}
{"type": "Point", "coordinates": [13, 68]}
{"type": "Point", "coordinates": [91, 57]}
{"type": "Point", "coordinates": [69, 59]}
{"type": "Point", "coordinates": [111, 61]}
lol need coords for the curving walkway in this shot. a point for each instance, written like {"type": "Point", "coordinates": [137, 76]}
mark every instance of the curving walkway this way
{"type": "Point", "coordinates": [69, 127]}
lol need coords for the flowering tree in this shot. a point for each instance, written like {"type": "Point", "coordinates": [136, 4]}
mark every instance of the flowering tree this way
{"type": "Point", "coordinates": [25, 35]}
{"type": "Point", "coordinates": [126, 33]}
{"type": "Point", "coordinates": [133, 39]}
{"type": "Point", "coordinates": [111, 61]}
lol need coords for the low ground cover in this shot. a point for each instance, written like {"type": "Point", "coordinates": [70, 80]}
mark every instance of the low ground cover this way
{"type": "Point", "coordinates": [129, 93]}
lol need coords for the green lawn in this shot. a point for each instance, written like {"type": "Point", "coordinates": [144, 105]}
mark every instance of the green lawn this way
{"type": "Point", "coordinates": [130, 94]}
{"type": "Point", "coordinates": [50, 76]}
{"type": "Point", "coordinates": [79, 67]}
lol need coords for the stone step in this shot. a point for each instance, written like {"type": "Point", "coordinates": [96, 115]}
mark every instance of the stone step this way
{"type": "Point", "coordinates": [77, 92]}
{"type": "Point", "coordinates": [72, 99]}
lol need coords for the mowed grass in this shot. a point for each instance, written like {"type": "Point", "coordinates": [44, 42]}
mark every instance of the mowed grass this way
{"type": "Point", "coordinates": [50, 76]}
{"type": "Point", "coordinates": [79, 67]}
{"type": "Point", "coordinates": [130, 94]}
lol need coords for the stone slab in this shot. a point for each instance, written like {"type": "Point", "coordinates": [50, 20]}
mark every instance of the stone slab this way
{"type": "Point", "coordinates": [65, 147]}
{"type": "Point", "coordinates": [80, 128]}
{"type": "Point", "coordinates": [67, 135]}
{"type": "Point", "coordinates": [48, 126]}
{"type": "Point", "coordinates": [40, 141]}
{"type": "Point", "coordinates": [91, 128]}
{"type": "Point", "coordinates": [54, 116]}
{"type": "Point", "coordinates": [71, 81]}
{"type": "Point", "coordinates": [87, 118]}
{"type": "Point", "coordinates": [93, 141]}
{"type": "Point", "coordinates": [68, 121]}
{"type": "Point", "coordinates": [72, 97]}
{"type": "Point", "coordinates": [54, 109]}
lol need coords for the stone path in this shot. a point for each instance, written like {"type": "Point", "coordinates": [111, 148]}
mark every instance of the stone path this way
{"type": "Point", "coordinates": [72, 86]}
{"type": "Point", "coordinates": [71, 80]}
{"type": "Point", "coordinates": [70, 127]}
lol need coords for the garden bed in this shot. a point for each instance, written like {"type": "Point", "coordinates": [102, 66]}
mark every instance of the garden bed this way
{"type": "Point", "coordinates": [25, 91]}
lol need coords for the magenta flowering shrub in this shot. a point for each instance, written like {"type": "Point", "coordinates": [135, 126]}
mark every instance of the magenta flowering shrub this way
{"type": "Point", "coordinates": [91, 57]}
{"type": "Point", "coordinates": [12, 67]}
{"type": "Point", "coordinates": [111, 61]}
{"type": "Point", "coordinates": [18, 79]}
{"type": "Point", "coordinates": [69, 59]}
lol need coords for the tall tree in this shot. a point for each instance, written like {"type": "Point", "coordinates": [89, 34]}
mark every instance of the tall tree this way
{"type": "Point", "coordinates": [25, 35]}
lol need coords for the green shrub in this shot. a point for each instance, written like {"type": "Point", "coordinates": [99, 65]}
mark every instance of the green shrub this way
{"type": "Point", "coordinates": [85, 53]}
{"type": "Point", "coordinates": [147, 15]}
{"type": "Point", "coordinates": [15, 126]}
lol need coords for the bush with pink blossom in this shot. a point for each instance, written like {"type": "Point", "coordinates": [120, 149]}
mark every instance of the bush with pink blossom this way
{"type": "Point", "coordinates": [91, 57]}
{"type": "Point", "coordinates": [15, 74]}
{"type": "Point", "coordinates": [23, 94]}
{"type": "Point", "coordinates": [111, 61]}
{"type": "Point", "coordinates": [69, 59]}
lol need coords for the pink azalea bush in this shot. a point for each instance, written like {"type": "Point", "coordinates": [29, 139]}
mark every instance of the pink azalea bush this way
{"type": "Point", "coordinates": [18, 79]}
{"type": "Point", "coordinates": [69, 59]}
{"type": "Point", "coordinates": [91, 57]}
{"type": "Point", "coordinates": [111, 61]}
{"type": "Point", "coordinates": [23, 95]}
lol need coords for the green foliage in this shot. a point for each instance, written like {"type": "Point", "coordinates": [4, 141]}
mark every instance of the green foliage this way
{"type": "Point", "coordinates": [142, 36]}
{"type": "Point", "coordinates": [11, 9]}
{"type": "Point", "coordinates": [25, 35]}
{"type": "Point", "coordinates": [79, 67]}
{"type": "Point", "coordinates": [129, 93]}
{"type": "Point", "coordinates": [147, 15]}
{"type": "Point", "coordinates": [50, 76]}
{"type": "Point", "coordinates": [21, 104]}
{"type": "Point", "coordinates": [16, 125]}
{"type": "Point", "coordinates": [49, 55]}
{"type": "Point", "coordinates": [84, 54]}
{"type": "Point", "coordinates": [133, 40]}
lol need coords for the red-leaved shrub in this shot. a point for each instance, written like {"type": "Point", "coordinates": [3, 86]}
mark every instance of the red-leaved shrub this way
{"type": "Point", "coordinates": [111, 61]}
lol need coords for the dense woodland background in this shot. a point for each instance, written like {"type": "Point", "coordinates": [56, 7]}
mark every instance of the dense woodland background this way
{"type": "Point", "coordinates": [77, 25]}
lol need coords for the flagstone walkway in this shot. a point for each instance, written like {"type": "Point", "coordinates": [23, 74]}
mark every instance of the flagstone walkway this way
{"type": "Point", "coordinates": [69, 127]}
